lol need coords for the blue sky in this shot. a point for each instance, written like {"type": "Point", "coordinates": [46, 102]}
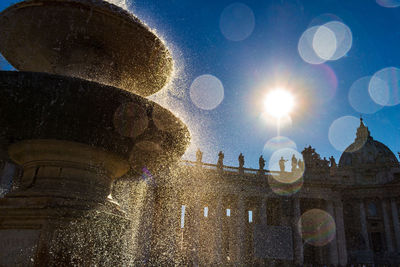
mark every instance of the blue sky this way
{"type": "Point", "coordinates": [267, 57]}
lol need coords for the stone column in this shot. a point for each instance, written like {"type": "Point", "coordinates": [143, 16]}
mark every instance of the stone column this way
{"type": "Point", "coordinates": [263, 211]}
{"type": "Point", "coordinates": [298, 243]}
{"type": "Point", "coordinates": [195, 218]}
{"type": "Point", "coordinates": [363, 221]}
{"type": "Point", "coordinates": [7, 178]}
{"type": "Point", "coordinates": [396, 224]}
{"type": "Point", "coordinates": [218, 229]}
{"type": "Point", "coordinates": [340, 234]}
{"type": "Point", "coordinates": [241, 224]}
{"type": "Point", "coordinates": [386, 223]}
{"type": "Point", "coordinates": [333, 250]}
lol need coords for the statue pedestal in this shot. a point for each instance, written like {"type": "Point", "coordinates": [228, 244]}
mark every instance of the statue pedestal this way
{"type": "Point", "coordinates": [61, 214]}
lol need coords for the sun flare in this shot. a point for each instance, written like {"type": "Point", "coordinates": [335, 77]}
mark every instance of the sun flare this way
{"type": "Point", "coordinates": [278, 103]}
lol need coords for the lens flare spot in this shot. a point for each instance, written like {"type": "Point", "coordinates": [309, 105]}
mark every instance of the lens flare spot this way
{"type": "Point", "coordinates": [207, 92]}
{"type": "Point", "coordinates": [341, 132]}
{"type": "Point", "coordinates": [324, 43]}
{"type": "Point", "coordinates": [388, 3]}
{"type": "Point", "coordinates": [317, 227]}
{"type": "Point", "coordinates": [343, 37]}
{"type": "Point", "coordinates": [329, 41]}
{"type": "Point", "coordinates": [130, 119]}
{"type": "Point", "coordinates": [237, 22]}
{"type": "Point", "coordinates": [384, 87]}
{"type": "Point", "coordinates": [277, 143]}
{"type": "Point", "coordinates": [360, 99]}
{"type": "Point", "coordinates": [305, 47]}
{"type": "Point", "coordinates": [284, 163]}
{"type": "Point", "coordinates": [285, 189]}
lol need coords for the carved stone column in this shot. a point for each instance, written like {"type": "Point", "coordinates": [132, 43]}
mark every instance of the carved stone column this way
{"type": "Point", "coordinates": [196, 217]}
{"type": "Point", "coordinates": [240, 229]}
{"type": "Point", "coordinates": [363, 221]}
{"type": "Point", "coordinates": [218, 229]}
{"type": "Point", "coordinates": [7, 177]}
{"type": "Point", "coordinates": [386, 223]}
{"type": "Point", "coordinates": [340, 234]}
{"type": "Point", "coordinates": [298, 243]}
{"type": "Point", "coordinates": [333, 250]}
{"type": "Point", "coordinates": [263, 211]}
{"type": "Point", "coordinates": [396, 224]}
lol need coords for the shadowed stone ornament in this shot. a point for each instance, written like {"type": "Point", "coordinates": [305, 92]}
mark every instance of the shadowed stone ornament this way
{"type": "Point", "coordinates": [73, 137]}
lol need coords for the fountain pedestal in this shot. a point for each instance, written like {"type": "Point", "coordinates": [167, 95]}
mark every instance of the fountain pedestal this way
{"type": "Point", "coordinates": [62, 206]}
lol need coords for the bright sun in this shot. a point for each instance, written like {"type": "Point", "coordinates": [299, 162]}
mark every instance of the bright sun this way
{"type": "Point", "coordinates": [278, 103]}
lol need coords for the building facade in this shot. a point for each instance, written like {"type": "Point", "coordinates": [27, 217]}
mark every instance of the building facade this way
{"type": "Point", "coordinates": [238, 216]}
{"type": "Point", "coordinates": [319, 213]}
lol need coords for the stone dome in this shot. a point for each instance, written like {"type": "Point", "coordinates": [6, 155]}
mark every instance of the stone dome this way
{"type": "Point", "coordinates": [365, 151]}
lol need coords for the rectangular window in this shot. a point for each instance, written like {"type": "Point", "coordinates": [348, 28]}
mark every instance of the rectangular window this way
{"type": "Point", "coordinates": [183, 216]}
{"type": "Point", "coordinates": [228, 212]}
{"type": "Point", "coordinates": [206, 212]}
{"type": "Point", "coordinates": [250, 216]}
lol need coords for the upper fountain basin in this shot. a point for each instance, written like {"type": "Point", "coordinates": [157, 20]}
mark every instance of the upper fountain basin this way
{"type": "Point", "coordinates": [89, 39]}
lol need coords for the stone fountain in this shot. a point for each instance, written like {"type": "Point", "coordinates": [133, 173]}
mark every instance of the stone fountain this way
{"type": "Point", "coordinates": [74, 117]}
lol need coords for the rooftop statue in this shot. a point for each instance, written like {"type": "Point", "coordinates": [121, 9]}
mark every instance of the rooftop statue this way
{"type": "Point", "coordinates": [333, 162]}
{"type": "Point", "coordinates": [282, 164]}
{"type": "Point", "coordinates": [261, 162]}
{"type": "Point", "coordinates": [220, 163]}
{"type": "Point", "coordinates": [301, 165]}
{"type": "Point", "coordinates": [241, 161]}
{"type": "Point", "coordinates": [199, 155]}
{"type": "Point", "coordinates": [294, 163]}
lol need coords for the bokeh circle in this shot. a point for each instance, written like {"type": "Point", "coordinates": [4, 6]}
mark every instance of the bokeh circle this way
{"type": "Point", "coordinates": [317, 227]}
{"type": "Point", "coordinates": [207, 92]}
{"type": "Point", "coordinates": [285, 189]}
{"type": "Point", "coordinates": [388, 3]}
{"type": "Point", "coordinates": [237, 22]}
{"type": "Point", "coordinates": [341, 132]}
{"type": "Point", "coordinates": [288, 176]}
{"type": "Point", "coordinates": [360, 99]}
{"type": "Point", "coordinates": [384, 87]}
{"type": "Point", "coordinates": [343, 37]}
{"type": "Point", "coordinates": [306, 49]}
{"type": "Point", "coordinates": [324, 43]}
{"type": "Point", "coordinates": [278, 142]}
{"type": "Point", "coordinates": [130, 119]}
{"type": "Point", "coordinates": [329, 41]}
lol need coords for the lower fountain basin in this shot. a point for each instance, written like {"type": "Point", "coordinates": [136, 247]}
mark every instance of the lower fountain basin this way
{"type": "Point", "coordinates": [46, 106]}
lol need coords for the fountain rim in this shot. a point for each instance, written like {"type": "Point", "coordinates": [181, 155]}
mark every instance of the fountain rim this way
{"type": "Point", "coordinates": [104, 5]}
{"type": "Point", "coordinates": [116, 13]}
{"type": "Point", "coordinates": [119, 143]}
